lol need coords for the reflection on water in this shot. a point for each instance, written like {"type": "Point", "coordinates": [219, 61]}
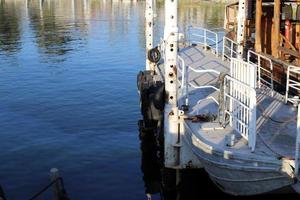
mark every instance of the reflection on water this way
{"type": "Point", "coordinates": [68, 94]}
{"type": "Point", "coordinates": [10, 30]}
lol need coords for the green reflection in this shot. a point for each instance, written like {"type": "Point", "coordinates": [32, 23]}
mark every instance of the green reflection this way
{"type": "Point", "coordinates": [10, 33]}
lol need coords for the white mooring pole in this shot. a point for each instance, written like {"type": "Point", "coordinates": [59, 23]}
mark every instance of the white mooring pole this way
{"type": "Point", "coordinates": [149, 23]}
{"type": "Point", "coordinates": [171, 109]}
{"type": "Point", "coordinates": [241, 27]}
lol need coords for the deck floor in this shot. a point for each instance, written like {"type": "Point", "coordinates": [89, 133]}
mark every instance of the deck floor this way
{"type": "Point", "coordinates": [276, 121]}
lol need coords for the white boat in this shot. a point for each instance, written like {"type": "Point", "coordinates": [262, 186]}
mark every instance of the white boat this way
{"type": "Point", "coordinates": [223, 112]}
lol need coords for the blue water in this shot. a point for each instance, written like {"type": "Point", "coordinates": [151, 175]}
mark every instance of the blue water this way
{"type": "Point", "coordinates": [68, 95]}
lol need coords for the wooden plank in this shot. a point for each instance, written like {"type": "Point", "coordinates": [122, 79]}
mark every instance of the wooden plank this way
{"type": "Point", "coordinates": [258, 25]}
{"type": "Point", "coordinates": [289, 51]}
{"type": "Point", "coordinates": [276, 38]}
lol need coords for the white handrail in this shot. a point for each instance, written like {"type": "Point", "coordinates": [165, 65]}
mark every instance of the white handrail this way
{"type": "Point", "coordinates": [292, 83]}
{"type": "Point", "coordinates": [185, 80]}
{"type": "Point", "coordinates": [261, 69]}
{"type": "Point", "coordinates": [231, 46]}
{"type": "Point", "coordinates": [205, 37]}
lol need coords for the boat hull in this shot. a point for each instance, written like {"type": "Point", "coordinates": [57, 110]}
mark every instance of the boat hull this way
{"type": "Point", "coordinates": [236, 176]}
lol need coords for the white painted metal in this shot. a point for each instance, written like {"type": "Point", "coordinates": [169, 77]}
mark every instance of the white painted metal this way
{"type": "Point", "coordinates": [149, 23]}
{"type": "Point", "coordinates": [262, 69]}
{"type": "Point", "coordinates": [240, 104]}
{"type": "Point", "coordinates": [185, 83]}
{"type": "Point", "coordinates": [171, 133]}
{"type": "Point", "coordinates": [241, 26]}
{"type": "Point", "coordinates": [205, 37]}
{"type": "Point", "coordinates": [230, 48]}
{"type": "Point", "coordinates": [292, 84]}
{"type": "Point", "coordinates": [161, 47]}
{"type": "Point", "coordinates": [237, 169]}
{"type": "Point", "coordinates": [297, 144]}
{"type": "Point", "coordinates": [244, 72]}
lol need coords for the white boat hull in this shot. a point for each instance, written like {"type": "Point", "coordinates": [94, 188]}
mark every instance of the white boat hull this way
{"type": "Point", "coordinates": [236, 176]}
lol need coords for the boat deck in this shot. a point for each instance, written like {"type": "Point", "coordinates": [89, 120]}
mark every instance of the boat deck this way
{"type": "Point", "coordinates": [276, 121]}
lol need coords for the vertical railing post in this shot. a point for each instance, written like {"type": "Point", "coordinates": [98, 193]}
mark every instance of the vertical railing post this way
{"type": "Point", "coordinates": [259, 71]}
{"type": "Point", "coordinates": [272, 82]}
{"type": "Point", "coordinates": [172, 148]}
{"type": "Point", "coordinates": [223, 51]}
{"type": "Point", "coordinates": [231, 50]}
{"type": "Point", "coordinates": [252, 120]}
{"type": "Point", "coordinates": [189, 35]}
{"type": "Point", "coordinates": [187, 86]}
{"type": "Point", "coordinates": [205, 42]}
{"type": "Point", "coordinates": [217, 44]}
{"type": "Point", "coordinates": [297, 143]}
{"type": "Point", "coordinates": [287, 84]}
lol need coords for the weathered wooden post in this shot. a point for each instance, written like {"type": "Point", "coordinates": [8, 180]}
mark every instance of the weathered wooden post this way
{"type": "Point", "coordinates": [54, 175]}
{"type": "Point", "coordinates": [149, 24]}
{"type": "Point", "coordinates": [258, 26]}
{"type": "Point", "coordinates": [172, 147]}
{"type": "Point", "coordinates": [276, 37]}
{"type": "Point", "coordinates": [59, 192]}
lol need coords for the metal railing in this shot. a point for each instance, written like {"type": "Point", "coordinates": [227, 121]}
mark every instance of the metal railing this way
{"type": "Point", "coordinates": [229, 49]}
{"type": "Point", "coordinates": [239, 97]}
{"type": "Point", "coordinates": [205, 37]}
{"type": "Point", "coordinates": [292, 84]}
{"type": "Point", "coordinates": [239, 102]}
{"type": "Point", "coordinates": [243, 72]}
{"type": "Point", "coordinates": [264, 74]}
{"type": "Point", "coordinates": [185, 84]}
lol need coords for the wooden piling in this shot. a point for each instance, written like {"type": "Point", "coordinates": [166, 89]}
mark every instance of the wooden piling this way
{"type": "Point", "coordinates": [258, 25]}
{"type": "Point", "coordinates": [276, 38]}
{"type": "Point", "coordinates": [54, 175]}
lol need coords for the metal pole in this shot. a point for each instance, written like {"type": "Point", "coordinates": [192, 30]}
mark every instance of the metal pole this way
{"type": "Point", "coordinates": [171, 107]}
{"type": "Point", "coordinates": [223, 56]}
{"type": "Point", "coordinates": [241, 27]}
{"type": "Point", "coordinates": [149, 23]}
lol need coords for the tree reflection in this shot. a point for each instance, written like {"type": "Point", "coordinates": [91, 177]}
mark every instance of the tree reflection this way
{"type": "Point", "coordinates": [52, 34]}
{"type": "Point", "coordinates": [9, 27]}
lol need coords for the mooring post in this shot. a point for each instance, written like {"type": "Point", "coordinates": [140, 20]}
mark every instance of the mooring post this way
{"type": "Point", "coordinates": [54, 175]}
{"type": "Point", "coordinates": [149, 24]}
{"type": "Point", "coordinates": [172, 148]}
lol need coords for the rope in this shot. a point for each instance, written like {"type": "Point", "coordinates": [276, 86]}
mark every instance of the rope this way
{"type": "Point", "coordinates": [62, 195]}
